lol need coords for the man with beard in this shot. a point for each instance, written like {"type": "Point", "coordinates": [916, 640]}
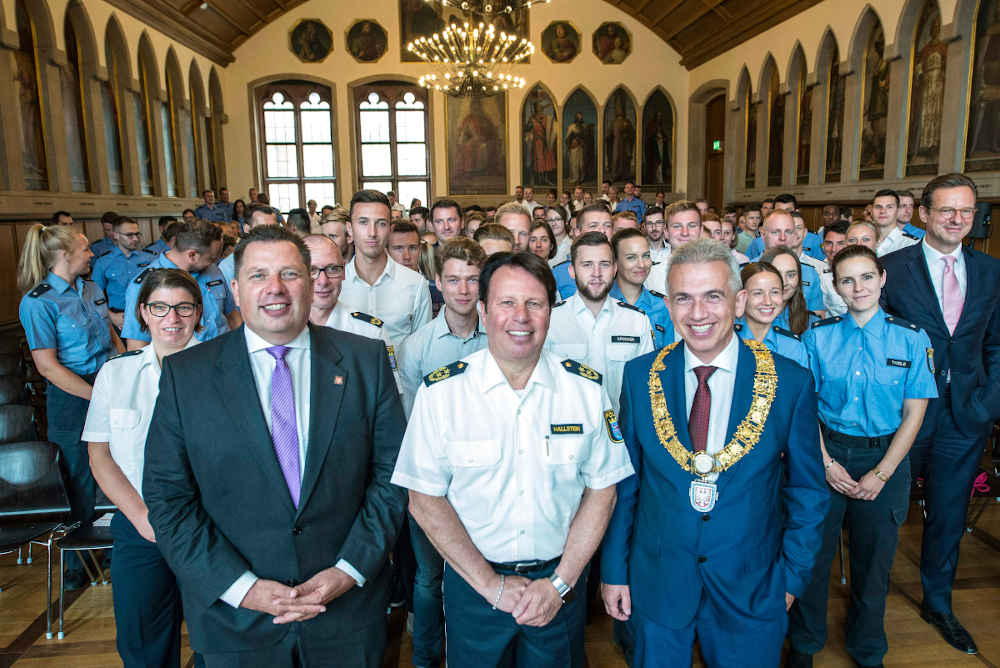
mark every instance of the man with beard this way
{"type": "Point", "coordinates": [592, 328]}
{"type": "Point", "coordinates": [593, 218]}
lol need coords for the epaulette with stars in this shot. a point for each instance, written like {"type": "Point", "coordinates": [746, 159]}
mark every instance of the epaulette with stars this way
{"type": "Point", "coordinates": [129, 353]}
{"type": "Point", "coordinates": [658, 295]}
{"type": "Point", "coordinates": [364, 317]}
{"type": "Point", "coordinates": [445, 372]}
{"type": "Point", "coordinates": [558, 304]}
{"type": "Point", "coordinates": [40, 290]}
{"type": "Point", "coordinates": [827, 321]}
{"type": "Point", "coordinates": [625, 304]}
{"type": "Point", "coordinates": [787, 332]}
{"type": "Point", "coordinates": [142, 276]}
{"type": "Point", "coordinates": [582, 370]}
{"type": "Point", "coordinates": [893, 320]}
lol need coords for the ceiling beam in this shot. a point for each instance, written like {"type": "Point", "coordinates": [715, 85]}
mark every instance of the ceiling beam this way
{"type": "Point", "coordinates": [678, 26]}
{"type": "Point", "coordinates": [250, 7]}
{"type": "Point", "coordinates": [176, 25]}
{"type": "Point", "coordinates": [228, 18]}
{"type": "Point", "coordinates": [665, 9]}
{"type": "Point", "coordinates": [642, 6]}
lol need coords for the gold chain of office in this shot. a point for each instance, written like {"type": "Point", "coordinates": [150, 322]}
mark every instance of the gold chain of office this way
{"type": "Point", "coordinates": [748, 432]}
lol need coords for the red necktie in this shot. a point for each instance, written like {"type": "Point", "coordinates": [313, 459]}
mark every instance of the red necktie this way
{"type": "Point", "coordinates": [700, 408]}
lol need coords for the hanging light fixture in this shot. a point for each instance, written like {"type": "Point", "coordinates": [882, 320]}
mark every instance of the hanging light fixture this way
{"type": "Point", "coordinates": [474, 57]}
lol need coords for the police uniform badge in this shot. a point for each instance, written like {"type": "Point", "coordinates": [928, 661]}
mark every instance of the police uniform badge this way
{"type": "Point", "coordinates": [444, 373]}
{"type": "Point", "coordinates": [611, 422]}
{"type": "Point", "coordinates": [582, 370]}
{"type": "Point", "coordinates": [391, 350]}
{"type": "Point", "coordinates": [930, 359]}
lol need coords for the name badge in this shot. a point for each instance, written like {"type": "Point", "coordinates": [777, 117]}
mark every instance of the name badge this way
{"type": "Point", "coordinates": [142, 264]}
{"type": "Point", "coordinates": [98, 302]}
{"type": "Point", "coordinates": [624, 339]}
{"type": "Point", "coordinates": [212, 284]}
{"type": "Point", "coordinates": [659, 328]}
{"type": "Point", "coordinates": [567, 428]}
{"type": "Point", "coordinates": [903, 364]}
{"type": "Point", "coordinates": [806, 282]}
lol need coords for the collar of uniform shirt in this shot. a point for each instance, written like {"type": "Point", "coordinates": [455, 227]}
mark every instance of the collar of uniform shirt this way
{"type": "Point", "coordinates": [491, 376]}
{"type": "Point", "coordinates": [872, 328]}
{"type": "Point", "coordinates": [149, 353]}
{"type": "Point", "coordinates": [579, 307]}
{"type": "Point", "coordinates": [727, 359]}
{"type": "Point", "coordinates": [59, 284]}
{"type": "Point", "coordinates": [351, 273]}
{"type": "Point", "coordinates": [255, 343]}
{"type": "Point", "coordinates": [442, 330]}
{"type": "Point", "coordinates": [934, 256]}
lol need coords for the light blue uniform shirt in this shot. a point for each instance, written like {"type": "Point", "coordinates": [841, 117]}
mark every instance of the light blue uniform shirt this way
{"type": "Point", "coordinates": [113, 271]}
{"type": "Point", "coordinates": [655, 308]}
{"type": "Point", "coordinates": [100, 247]}
{"type": "Point", "coordinates": [635, 205]}
{"type": "Point", "coordinates": [565, 284]}
{"type": "Point", "coordinates": [217, 213]}
{"type": "Point", "coordinates": [227, 266]}
{"type": "Point", "coordinates": [863, 375]}
{"type": "Point", "coordinates": [431, 347]}
{"type": "Point", "coordinates": [216, 297]}
{"type": "Point", "coordinates": [914, 231]}
{"type": "Point", "coordinates": [812, 245]}
{"type": "Point", "coordinates": [778, 340]}
{"type": "Point", "coordinates": [812, 290]}
{"type": "Point", "coordinates": [72, 319]}
{"type": "Point", "coordinates": [781, 320]}
{"type": "Point", "coordinates": [157, 247]}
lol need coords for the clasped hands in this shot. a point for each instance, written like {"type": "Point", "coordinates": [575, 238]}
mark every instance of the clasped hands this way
{"type": "Point", "coordinates": [866, 489]}
{"type": "Point", "coordinates": [529, 602]}
{"type": "Point", "coordinates": [299, 603]}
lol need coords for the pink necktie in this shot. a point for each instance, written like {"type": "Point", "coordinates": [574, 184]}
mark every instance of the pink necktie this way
{"type": "Point", "coordinates": [951, 301]}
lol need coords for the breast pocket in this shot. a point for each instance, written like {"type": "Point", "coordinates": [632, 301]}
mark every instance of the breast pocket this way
{"type": "Point", "coordinates": [565, 451]}
{"type": "Point", "coordinates": [125, 419]}
{"type": "Point", "coordinates": [475, 480]}
{"type": "Point", "coordinates": [473, 454]}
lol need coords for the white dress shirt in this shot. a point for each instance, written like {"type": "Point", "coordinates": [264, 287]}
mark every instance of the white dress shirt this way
{"type": "Point", "coordinates": [657, 279]}
{"type": "Point", "coordinates": [121, 406]}
{"type": "Point", "coordinates": [399, 297]}
{"type": "Point", "coordinates": [364, 324]}
{"type": "Point", "coordinates": [895, 240]}
{"type": "Point", "coordinates": [935, 266]}
{"type": "Point", "coordinates": [604, 342]}
{"type": "Point", "coordinates": [262, 364]}
{"type": "Point", "coordinates": [512, 463]}
{"type": "Point", "coordinates": [661, 254]}
{"type": "Point", "coordinates": [562, 251]}
{"type": "Point", "coordinates": [831, 300]}
{"type": "Point", "coordinates": [720, 384]}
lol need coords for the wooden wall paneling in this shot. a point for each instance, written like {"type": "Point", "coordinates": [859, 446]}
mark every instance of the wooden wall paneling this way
{"type": "Point", "coordinates": [10, 297]}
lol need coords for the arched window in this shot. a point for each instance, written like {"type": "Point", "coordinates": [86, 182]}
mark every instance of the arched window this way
{"type": "Point", "coordinates": [172, 124]}
{"type": "Point", "coordinates": [775, 127]}
{"type": "Point", "coordinates": [143, 108]}
{"type": "Point", "coordinates": [33, 162]}
{"type": "Point", "coordinates": [71, 79]}
{"type": "Point", "coordinates": [113, 95]}
{"type": "Point", "coordinates": [296, 131]}
{"type": "Point", "coordinates": [750, 109]}
{"type": "Point", "coordinates": [392, 139]}
{"type": "Point", "coordinates": [835, 87]}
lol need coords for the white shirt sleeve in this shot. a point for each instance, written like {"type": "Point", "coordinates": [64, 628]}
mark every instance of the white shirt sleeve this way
{"type": "Point", "coordinates": [607, 460]}
{"type": "Point", "coordinates": [239, 589]}
{"type": "Point", "coordinates": [408, 360]}
{"type": "Point", "coordinates": [343, 565]}
{"type": "Point", "coordinates": [422, 464]}
{"type": "Point", "coordinates": [97, 428]}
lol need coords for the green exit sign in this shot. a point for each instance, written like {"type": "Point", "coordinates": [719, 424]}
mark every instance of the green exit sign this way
{"type": "Point", "coordinates": [717, 145]}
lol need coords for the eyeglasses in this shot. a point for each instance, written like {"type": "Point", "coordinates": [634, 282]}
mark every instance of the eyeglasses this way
{"type": "Point", "coordinates": [330, 270]}
{"type": "Point", "coordinates": [948, 212]}
{"type": "Point", "coordinates": [161, 309]}
{"type": "Point", "coordinates": [131, 235]}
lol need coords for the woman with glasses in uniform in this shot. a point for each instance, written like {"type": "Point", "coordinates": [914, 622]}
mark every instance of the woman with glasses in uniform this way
{"type": "Point", "coordinates": [70, 334]}
{"type": "Point", "coordinates": [874, 374]}
{"type": "Point", "coordinates": [147, 600]}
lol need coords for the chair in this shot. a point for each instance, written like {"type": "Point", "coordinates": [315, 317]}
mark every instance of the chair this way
{"type": "Point", "coordinates": [17, 424]}
{"type": "Point", "coordinates": [11, 365]}
{"type": "Point", "coordinates": [33, 500]}
{"type": "Point", "coordinates": [12, 388]}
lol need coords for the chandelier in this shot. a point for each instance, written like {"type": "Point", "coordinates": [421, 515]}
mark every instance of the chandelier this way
{"type": "Point", "coordinates": [473, 58]}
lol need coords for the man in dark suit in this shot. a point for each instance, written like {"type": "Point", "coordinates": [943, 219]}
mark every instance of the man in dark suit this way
{"type": "Point", "coordinates": [267, 476]}
{"type": "Point", "coordinates": [953, 293]}
{"type": "Point", "coordinates": [717, 532]}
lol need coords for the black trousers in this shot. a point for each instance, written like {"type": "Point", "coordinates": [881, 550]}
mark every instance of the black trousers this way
{"type": "Point", "coordinates": [948, 461]}
{"type": "Point", "coordinates": [362, 649]}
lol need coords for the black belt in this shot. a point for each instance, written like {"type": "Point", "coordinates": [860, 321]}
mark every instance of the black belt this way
{"type": "Point", "coordinates": [532, 566]}
{"type": "Point", "coordinates": [856, 441]}
{"type": "Point", "coordinates": [116, 310]}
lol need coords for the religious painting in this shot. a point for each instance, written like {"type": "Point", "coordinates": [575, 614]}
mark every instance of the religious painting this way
{"type": "Point", "coordinates": [750, 179]}
{"type": "Point", "coordinates": [612, 43]}
{"type": "Point", "coordinates": [804, 149]}
{"type": "Point", "coordinates": [72, 113]}
{"type": "Point", "coordinates": [417, 18]}
{"type": "Point", "coordinates": [926, 94]}
{"type": "Point", "coordinates": [579, 141]}
{"type": "Point", "coordinates": [982, 145]}
{"type": "Point", "coordinates": [477, 145]}
{"type": "Point", "coordinates": [657, 141]}
{"type": "Point", "coordinates": [540, 139]}
{"type": "Point", "coordinates": [875, 106]}
{"type": "Point", "coordinates": [619, 137]}
{"type": "Point", "coordinates": [311, 41]}
{"type": "Point", "coordinates": [835, 120]}
{"type": "Point", "coordinates": [367, 41]}
{"type": "Point", "coordinates": [112, 139]}
{"type": "Point", "coordinates": [143, 145]}
{"type": "Point", "coordinates": [33, 163]}
{"type": "Point", "coordinates": [560, 42]}
{"type": "Point", "coordinates": [776, 133]}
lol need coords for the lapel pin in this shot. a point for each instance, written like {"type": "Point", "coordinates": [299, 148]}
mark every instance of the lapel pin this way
{"type": "Point", "coordinates": [338, 380]}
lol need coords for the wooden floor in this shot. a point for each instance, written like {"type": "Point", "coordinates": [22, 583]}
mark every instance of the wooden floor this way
{"type": "Point", "coordinates": [90, 628]}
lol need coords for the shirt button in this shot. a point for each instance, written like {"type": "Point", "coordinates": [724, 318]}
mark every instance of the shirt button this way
{"type": "Point", "coordinates": [521, 532]}
{"type": "Point", "coordinates": [857, 373]}
{"type": "Point", "coordinates": [296, 530]}
{"type": "Point", "coordinates": [706, 517]}
{"type": "Point", "coordinates": [702, 559]}
{"type": "Point", "coordinates": [521, 451]}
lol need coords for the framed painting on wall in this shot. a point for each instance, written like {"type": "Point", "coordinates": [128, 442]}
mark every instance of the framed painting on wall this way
{"type": "Point", "coordinates": [579, 141]}
{"type": "Point", "coordinates": [476, 131]}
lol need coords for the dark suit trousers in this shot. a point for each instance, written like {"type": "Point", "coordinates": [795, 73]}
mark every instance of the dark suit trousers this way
{"type": "Point", "coordinates": [947, 460]}
{"type": "Point", "coordinates": [363, 649]}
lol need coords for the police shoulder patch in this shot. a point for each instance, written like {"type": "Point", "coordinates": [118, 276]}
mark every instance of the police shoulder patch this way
{"type": "Point", "coordinates": [827, 321]}
{"type": "Point", "coordinates": [787, 332]}
{"type": "Point", "coordinates": [364, 317]}
{"type": "Point", "coordinates": [142, 275]}
{"type": "Point", "coordinates": [444, 373]}
{"type": "Point", "coordinates": [658, 295]}
{"type": "Point", "coordinates": [625, 304]}
{"type": "Point", "coordinates": [893, 320]}
{"type": "Point", "coordinates": [930, 360]}
{"type": "Point", "coordinates": [40, 290]}
{"type": "Point", "coordinates": [611, 422]}
{"type": "Point", "coordinates": [582, 370]}
{"type": "Point", "coordinates": [130, 353]}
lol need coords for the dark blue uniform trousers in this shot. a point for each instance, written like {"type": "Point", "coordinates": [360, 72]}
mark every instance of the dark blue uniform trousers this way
{"type": "Point", "coordinates": [478, 636]}
{"type": "Point", "coordinates": [873, 534]}
{"type": "Point", "coordinates": [948, 461]}
{"type": "Point", "coordinates": [146, 598]}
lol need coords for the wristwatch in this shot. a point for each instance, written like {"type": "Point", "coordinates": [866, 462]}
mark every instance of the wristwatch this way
{"type": "Point", "coordinates": [564, 590]}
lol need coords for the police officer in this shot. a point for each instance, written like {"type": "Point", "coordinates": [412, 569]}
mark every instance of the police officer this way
{"type": "Point", "coordinates": [763, 286]}
{"type": "Point", "coordinates": [106, 242]}
{"type": "Point", "coordinates": [162, 244]}
{"type": "Point", "coordinates": [874, 374]}
{"type": "Point", "coordinates": [633, 257]}
{"type": "Point", "coordinates": [593, 218]}
{"type": "Point", "coordinates": [147, 600]}
{"type": "Point", "coordinates": [592, 328]}
{"type": "Point", "coordinates": [116, 267]}
{"type": "Point", "coordinates": [196, 248]}
{"type": "Point", "coordinates": [212, 211]}
{"type": "Point", "coordinates": [516, 487]}
{"type": "Point", "coordinates": [795, 315]}
{"type": "Point", "coordinates": [891, 237]}
{"type": "Point", "coordinates": [70, 335]}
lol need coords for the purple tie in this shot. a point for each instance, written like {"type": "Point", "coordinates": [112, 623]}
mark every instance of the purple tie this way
{"type": "Point", "coordinates": [951, 295]}
{"type": "Point", "coordinates": [284, 428]}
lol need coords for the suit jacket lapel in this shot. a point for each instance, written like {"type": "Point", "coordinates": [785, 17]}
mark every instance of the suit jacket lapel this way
{"type": "Point", "coordinates": [325, 398]}
{"type": "Point", "coordinates": [924, 287]}
{"type": "Point", "coordinates": [672, 379]}
{"type": "Point", "coordinates": [746, 366]}
{"type": "Point", "coordinates": [970, 309]}
{"type": "Point", "coordinates": [235, 381]}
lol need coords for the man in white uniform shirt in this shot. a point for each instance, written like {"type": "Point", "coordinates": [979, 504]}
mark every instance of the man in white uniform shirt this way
{"type": "Point", "coordinates": [656, 232]}
{"type": "Point", "coordinates": [515, 489]}
{"type": "Point", "coordinates": [885, 209]}
{"type": "Point", "coordinates": [374, 283]}
{"type": "Point", "coordinates": [591, 327]}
